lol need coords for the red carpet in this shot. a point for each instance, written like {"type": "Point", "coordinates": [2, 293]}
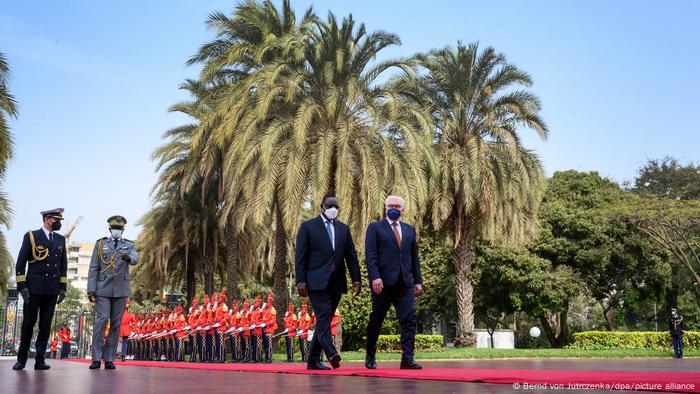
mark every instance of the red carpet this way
{"type": "Point", "coordinates": [566, 379]}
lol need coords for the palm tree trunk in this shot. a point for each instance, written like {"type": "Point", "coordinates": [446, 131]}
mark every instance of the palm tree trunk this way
{"type": "Point", "coordinates": [280, 266]}
{"type": "Point", "coordinates": [463, 261]}
{"type": "Point", "coordinates": [232, 257]}
{"type": "Point", "coordinates": [189, 280]}
{"type": "Point", "coordinates": [556, 327]}
{"type": "Point", "coordinates": [208, 275]}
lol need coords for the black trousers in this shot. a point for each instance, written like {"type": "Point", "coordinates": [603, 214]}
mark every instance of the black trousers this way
{"type": "Point", "coordinates": [41, 306]}
{"type": "Point", "coordinates": [403, 299]}
{"type": "Point", "coordinates": [325, 302]}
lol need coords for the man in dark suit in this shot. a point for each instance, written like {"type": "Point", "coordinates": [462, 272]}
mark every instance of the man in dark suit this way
{"type": "Point", "coordinates": [391, 255]}
{"type": "Point", "coordinates": [42, 284]}
{"type": "Point", "coordinates": [324, 247]}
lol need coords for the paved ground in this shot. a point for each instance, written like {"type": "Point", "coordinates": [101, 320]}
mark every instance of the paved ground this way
{"type": "Point", "coordinates": [76, 378]}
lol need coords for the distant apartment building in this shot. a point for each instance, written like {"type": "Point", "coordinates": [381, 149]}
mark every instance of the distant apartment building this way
{"type": "Point", "coordinates": [78, 264]}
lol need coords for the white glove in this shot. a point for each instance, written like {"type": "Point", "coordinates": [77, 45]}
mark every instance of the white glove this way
{"type": "Point", "coordinates": [216, 325]}
{"type": "Point", "coordinates": [132, 334]}
{"type": "Point", "coordinates": [263, 325]}
{"type": "Point", "coordinates": [206, 328]}
{"type": "Point", "coordinates": [186, 328]}
{"type": "Point", "coordinates": [173, 331]}
{"type": "Point", "coordinates": [198, 328]}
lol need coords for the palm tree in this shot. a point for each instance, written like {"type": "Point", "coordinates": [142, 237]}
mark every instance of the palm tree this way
{"type": "Point", "coordinates": [184, 221]}
{"type": "Point", "coordinates": [8, 109]}
{"type": "Point", "coordinates": [244, 43]}
{"type": "Point", "coordinates": [329, 125]}
{"type": "Point", "coordinates": [488, 185]}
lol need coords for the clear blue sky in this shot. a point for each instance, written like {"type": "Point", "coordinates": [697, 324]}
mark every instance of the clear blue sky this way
{"type": "Point", "coordinates": [618, 81]}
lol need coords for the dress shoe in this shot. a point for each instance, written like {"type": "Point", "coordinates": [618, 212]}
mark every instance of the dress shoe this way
{"type": "Point", "coordinates": [410, 364]}
{"type": "Point", "coordinates": [335, 361]}
{"type": "Point", "coordinates": [317, 366]}
{"type": "Point", "coordinates": [370, 363]}
{"type": "Point", "coordinates": [41, 366]}
{"type": "Point", "coordinates": [109, 365]}
{"type": "Point", "coordinates": [95, 365]}
{"type": "Point", "coordinates": [18, 366]}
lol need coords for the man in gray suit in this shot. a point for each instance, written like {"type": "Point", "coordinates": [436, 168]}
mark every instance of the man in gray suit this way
{"type": "Point", "coordinates": [109, 286]}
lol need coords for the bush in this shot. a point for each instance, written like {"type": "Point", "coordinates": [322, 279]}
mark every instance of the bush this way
{"type": "Point", "coordinates": [424, 343]}
{"type": "Point", "coordinates": [282, 346]}
{"type": "Point", "coordinates": [660, 340]}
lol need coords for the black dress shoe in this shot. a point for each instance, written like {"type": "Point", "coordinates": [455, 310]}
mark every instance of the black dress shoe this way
{"type": "Point", "coordinates": [95, 365]}
{"type": "Point", "coordinates": [18, 366]}
{"type": "Point", "coordinates": [109, 365]}
{"type": "Point", "coordinates": [335, 361]}
{"type": "Point", "coordinates": [370, 363]}
{"type": "Point", "coordinates": [41, 366]}
{"type": "Point", "coordinates": [410, 364]}
{"type": "Point", "coordinates": [317, 366]}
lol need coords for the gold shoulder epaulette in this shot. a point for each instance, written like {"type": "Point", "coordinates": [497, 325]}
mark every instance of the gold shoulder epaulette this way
{"type": "Point", "coordinates": [39, 252]}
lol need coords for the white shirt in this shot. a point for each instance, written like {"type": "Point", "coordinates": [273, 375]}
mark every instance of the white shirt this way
{"type": "Point", "coordinates": [332, 229]}
{"type": "Point", "coordinates": [398, 226]}
{"type": "Point", "coordinates": [46, 232]}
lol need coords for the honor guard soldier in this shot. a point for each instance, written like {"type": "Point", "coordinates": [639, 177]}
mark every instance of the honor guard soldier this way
{"type": "Point", "coordinates": [54, 345]}
{"type": "Point", "coordinates": [290, 326]}
{"type": "Point", "coordinates": [244, 328]}
{"type": "Point", "coordinates": [256, 329]}
{"type": "Point", "coordinates": [109, 286]}
{"type": "Point", "coordinates": [42, 265]}
{"type": "Point", "coordinates": [127, 327]}
{"type": "Point", "coordinates": [65, 335]}
{"type": "Point", "coordinates": [304, 326]}
{"type": "Point", "coordinates": [334, 327]}
{"type": "Point", "coordinates": [192, 318]}
{"type": "Point", "coordinates": [234, 317]}
{"type": "Point", "coordinates": [269, 326]}
{"type": "Point", "coordinates": [181, 335]}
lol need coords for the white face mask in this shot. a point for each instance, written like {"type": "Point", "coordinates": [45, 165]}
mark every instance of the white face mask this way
{"type": "Point", "coordinates": [331, 213]}
{"type": "Point", "coordinates": [116, 233]}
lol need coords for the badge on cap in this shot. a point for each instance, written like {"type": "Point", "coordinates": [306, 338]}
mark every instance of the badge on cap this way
{"type": "Point", "coordinates": [116, 221]}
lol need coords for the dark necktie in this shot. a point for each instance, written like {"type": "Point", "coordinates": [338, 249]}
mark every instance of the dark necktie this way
{"type": "Point", "coordinates": [396, 234]}
{"type": "Point", "coordinates": [51, 238]}
{"type": "Point", "coordinates": [329, 224]}
{"type": "Point", "coordinates": [115, 244]}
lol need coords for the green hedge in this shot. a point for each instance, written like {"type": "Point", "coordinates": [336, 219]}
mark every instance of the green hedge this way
{"type": "Point", "coordinates": [599, 340]}
{"type": "Point", "coordinates": [385, 343]}
{"type": "Point", "coordinates": [282, 346]}
{"type": "Point", "coordinates": [424, 343]}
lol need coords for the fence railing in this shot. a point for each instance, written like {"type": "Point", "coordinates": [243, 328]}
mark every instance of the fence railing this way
{"type": "Point", "coordinates": [78, 321]}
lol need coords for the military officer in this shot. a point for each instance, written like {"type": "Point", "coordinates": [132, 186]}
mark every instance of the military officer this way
{"type": "Point", "coordinates": [109, 286]}
{"type": "Point", "coordinates": [41, 269]}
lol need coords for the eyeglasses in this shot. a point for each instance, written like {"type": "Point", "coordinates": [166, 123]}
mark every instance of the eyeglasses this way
{"type": "Point", "coordinates": [331, 206]}
{"type": "Point", "coordinates": [394, 206]}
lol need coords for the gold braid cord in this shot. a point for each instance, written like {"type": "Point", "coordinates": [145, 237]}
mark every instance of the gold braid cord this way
{"type": "Point", "coordinates": [39, 252]}
{"type": "Point", "coordinates": [111, 264]}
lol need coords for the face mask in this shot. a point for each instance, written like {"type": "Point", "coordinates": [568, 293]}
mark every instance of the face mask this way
{"type": "Point", "coordinates": [393, 214]}
{"type": "Point", "coordinates": [55, 226]}
{"type": "Point", "coordinates": [116, 233]}
{"type": "Point", "coordinates": [331, 213]}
